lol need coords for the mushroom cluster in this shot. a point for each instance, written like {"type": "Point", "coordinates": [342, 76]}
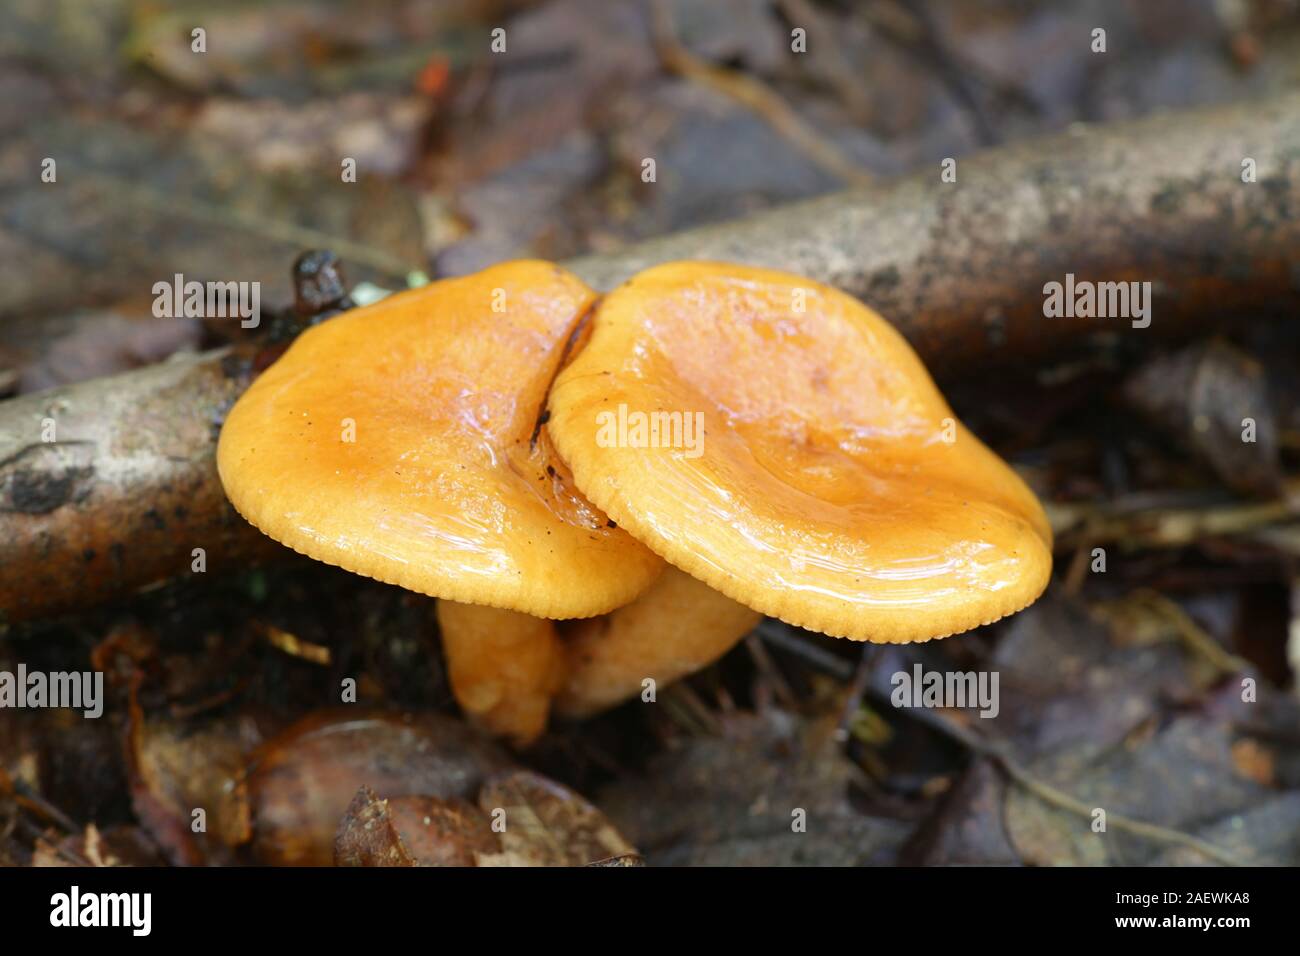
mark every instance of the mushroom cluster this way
{"type": "Point", "coordinates": [791, 457]}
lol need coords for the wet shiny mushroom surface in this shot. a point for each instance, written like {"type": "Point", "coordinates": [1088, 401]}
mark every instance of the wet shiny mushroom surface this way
{"type": "Point", "coordinates": [830, 484]}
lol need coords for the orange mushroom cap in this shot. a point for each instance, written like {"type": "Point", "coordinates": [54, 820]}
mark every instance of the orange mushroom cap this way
{"type": "Point", "coordinates": [402, 441]}
{"type": "Point", "coordinates": [830, 485]}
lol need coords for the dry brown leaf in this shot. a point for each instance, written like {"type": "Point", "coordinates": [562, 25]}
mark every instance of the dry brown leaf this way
{"type": "Point", "coordinates": [542, 823]}
{"type": "Point", "coordinates": [175, 770]}
{"type": "Point", "coordinates": [412, 831]}
{"type": "Point", "coordinates": [302, 781]}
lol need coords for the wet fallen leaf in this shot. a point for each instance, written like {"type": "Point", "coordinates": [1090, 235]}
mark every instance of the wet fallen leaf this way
{"type": "Point", "coordinates": [1213, 398]}
{"type": "Point", "coordinates": [105, 343]}
{"type": "Point", "coordinates": [176, 768]}
{"type": "Point", "coordinates": [380, 133]}
{"type": "Point", "coordinates": [772, 790]}
{"type": "Point", "coordinates": [968, 827]}
{"type": "Point", "coordinates": [367, 836]}
{"type": "Point", "coordinates": [522, 819]}
{"type": "Point", "coordinates": [206, 214]}
{"type": "Point", "coordinates": [294, 48]}
{"type": "Point", "coordinates": [1267, 834]}
{"type": "Point", "coordinates": [302, 781]}
{"type": "Point", "coordinates": [546, 824]}
{"type": "Point", "coordinates": [412, 831]}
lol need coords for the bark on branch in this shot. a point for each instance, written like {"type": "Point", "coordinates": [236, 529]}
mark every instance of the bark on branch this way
{"type": "Point", "coordinates": [128, 489]}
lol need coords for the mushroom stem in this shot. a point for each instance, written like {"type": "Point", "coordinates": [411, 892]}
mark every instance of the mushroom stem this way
{"type": "Point", "coordinates": [507, 668]}
{"type": "Point", "coordinates": [504, 667]}
{"type": "Point", "coordinates": [675, 628]}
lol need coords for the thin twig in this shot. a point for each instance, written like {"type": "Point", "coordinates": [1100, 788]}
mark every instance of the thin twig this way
{"type": "Point", "coordinates": [955, 78]}
{"type": "Point", "coordinates": [857, 690]}
{"type": "Point", "coordinates": [787, 639]}
{"type": "Point", "coordinates": [1059, 798]}
{"type": "Point", "coordinates": [1193, 635]}
{"type": "Point", "coordinates": [28, 798]}
{"type": "Point", "coordinates": [1137, 522]}
{"type": "Point", "coordinates": [38, 837]}
{"type": "Point", "coordinates": [829, 56]}
{"type": "Point", "coordinates": [757, 96]}
{"type": "Point", "coordinates": [898, 23]}
{"type": "Point", "coordinates": [935, 720]}
{"type": "Point", "coordinates": [963, 295]}
{"type": "Point", "coordinates": [686, 709]}
{"type": "Point", "coordinates": [763, 660]}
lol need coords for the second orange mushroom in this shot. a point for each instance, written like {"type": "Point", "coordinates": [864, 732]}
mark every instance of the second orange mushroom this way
{"type": "Point", "coordinates": [409, 441]}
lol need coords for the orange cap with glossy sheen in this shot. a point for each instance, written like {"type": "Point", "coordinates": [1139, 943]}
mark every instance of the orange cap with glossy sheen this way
{"type": "Point", "coordinates": [780, 441]}
{"type": "Point", "coordinates": [401, 441]}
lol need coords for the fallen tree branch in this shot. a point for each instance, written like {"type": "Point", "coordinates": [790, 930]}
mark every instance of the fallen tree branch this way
{"type": "Point", "coordinates": [128, 489]}
{"type": "Point", "coordinates": [960, 267]}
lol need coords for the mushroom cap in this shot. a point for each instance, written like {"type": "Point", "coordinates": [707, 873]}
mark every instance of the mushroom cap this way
{"type": "Point", "coordinates": [402, 441]}
{"type": "Point", "coordinates": [822, 490]}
